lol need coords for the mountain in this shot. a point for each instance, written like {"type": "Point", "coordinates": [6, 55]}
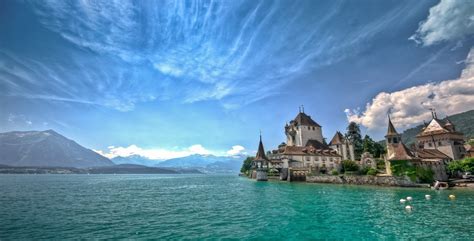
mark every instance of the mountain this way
{"type": "Point", "coordinates": [138, 169]}
{"type": "Point", "coordinates": [46, 149]}
{"type": "Point", "coordinates": [205, 163]}
{"type": "Point", "coordinates": [463, 122]}
{"type": "Point", "coordinates": [134, 159]}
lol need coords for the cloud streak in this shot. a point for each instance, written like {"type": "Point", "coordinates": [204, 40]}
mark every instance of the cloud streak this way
{"type": "Point", "coordinates": [223, 55]}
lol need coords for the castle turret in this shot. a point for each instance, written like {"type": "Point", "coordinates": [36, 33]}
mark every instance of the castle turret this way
{"type": "Point", "coordinates": [302, 129]}
{"type": "Point", "coordinates": [392, 136]}
{"type": "Point", "coordinates": [260, 163]}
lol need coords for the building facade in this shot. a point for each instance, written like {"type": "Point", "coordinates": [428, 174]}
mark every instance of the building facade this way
{"type": "Point", "coordinates": [306, 151]}
{"type": "Point", "coordinates": [437, 144]}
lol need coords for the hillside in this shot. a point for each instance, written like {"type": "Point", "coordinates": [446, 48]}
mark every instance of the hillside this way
{"type": "Point", "coordinates": [205, 163]}
{"type": "Point", "coordinates": [46, 149]}
{"type": "Point", "coordinates": [464, 122]}
{"type": "Point", "coordinates": [134, 159]}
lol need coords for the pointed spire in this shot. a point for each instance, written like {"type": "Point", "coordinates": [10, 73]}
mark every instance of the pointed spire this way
{"type": "Point", "coordinates": [391, 129]}
{"type": "Point", "coordinates": [261, 152]}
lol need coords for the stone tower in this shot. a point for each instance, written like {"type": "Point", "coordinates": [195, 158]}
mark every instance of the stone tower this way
{"type": "Point", "coordinates": [343, 146]}
{"type": "Point", "coordinates": [260, 163]}
{"type": "Point", "coordinates": [302, 129]}
{"type": "Point", "coordinates": [392, 139]}
{"type": "Point", "coordinates": [442, 136]}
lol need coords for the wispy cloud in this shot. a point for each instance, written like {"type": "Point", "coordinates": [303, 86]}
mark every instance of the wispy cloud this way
{"type": "Point", "coordinates": [447, 21]}
{"type": "Point", "coordinates": [223, 55]}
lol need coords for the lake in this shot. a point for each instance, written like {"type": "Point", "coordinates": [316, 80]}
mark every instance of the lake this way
{"type": "Point", "coordinates": [222, 206]}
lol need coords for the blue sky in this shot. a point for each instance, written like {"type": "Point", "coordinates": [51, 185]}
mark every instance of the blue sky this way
{"type": "Point", "coordinates": [171, 78]}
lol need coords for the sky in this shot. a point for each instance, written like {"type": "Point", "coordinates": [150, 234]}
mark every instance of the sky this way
{"type": "Point", "coordinates": [166, 79]}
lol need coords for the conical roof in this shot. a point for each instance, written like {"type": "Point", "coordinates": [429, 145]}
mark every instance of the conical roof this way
{"type": "Point", "coordinates": [391, 129]}
{"type": "Point", "coordinates": [261, 152]}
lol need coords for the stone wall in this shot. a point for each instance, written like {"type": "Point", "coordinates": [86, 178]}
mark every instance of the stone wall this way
{"type": "Point", "coordinates": [363, 180]}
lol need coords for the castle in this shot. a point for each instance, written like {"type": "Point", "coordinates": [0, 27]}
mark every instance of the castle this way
{"type": "Point", "coordinates": [305, 151]}
{"type": "Point", "coordinates": [437, 144]}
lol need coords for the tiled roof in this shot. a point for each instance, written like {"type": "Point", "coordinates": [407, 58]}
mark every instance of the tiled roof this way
{"type": "Point", "coordinates": [337, 139]}
{"type": "Point", "coordinates": [391, 129]}
{"type": "Point", "coordinates": [261, 152]}
{"type": "Point", "coordinates": [400, 152]}
{"type": "Point", "coordinates": [309, 150]}
{"type": "Point", "coordinates": [431, 154]}
{"type": "Point", "coordinates": [317, 144]}
{"type": "Point", "coordinates": [303, 119]}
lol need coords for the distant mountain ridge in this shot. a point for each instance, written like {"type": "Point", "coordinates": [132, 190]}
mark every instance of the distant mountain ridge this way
{"type": "Point", "coordinates": [46, 149]}
{"type": "Point", "coordinates": [134, 159]}
{"type": "Point", "coordinates": [203, 163]}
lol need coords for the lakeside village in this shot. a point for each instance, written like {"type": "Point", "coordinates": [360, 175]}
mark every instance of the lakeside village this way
{"type": "Point", "coordinates": [439, 158]}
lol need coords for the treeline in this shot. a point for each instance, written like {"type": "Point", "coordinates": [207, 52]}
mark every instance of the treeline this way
{"type": "Point", "coordinates": [361, 145]}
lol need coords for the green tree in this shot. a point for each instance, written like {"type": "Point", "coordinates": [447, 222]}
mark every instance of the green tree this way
{"type": "Point", "coordinates": [247, 164]}
{"type": "Point", "coordinates": [350, 166]}
{"type": "Point", "coordinates": [379, 149]}
{"type": "Point", "coordinates": [368, 145]}
{"type": "Point", "coordinates": [465, 165]}
{"type": "Point", "coordinates": [353, 134]}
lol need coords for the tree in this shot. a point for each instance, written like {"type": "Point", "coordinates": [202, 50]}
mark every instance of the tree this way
{"type": "Point", "coordinates": [379, 149]}
{"type": "Point", "coordinates": [465, 165]}
{"type": "Point", "coordinates": [353, 134]}
{"type": "Point", "coordinates": [247, 164]}
{"type": "Point", "coordinates": [368, 145]}
{"type": "Point", "coordinates": [350, 166]}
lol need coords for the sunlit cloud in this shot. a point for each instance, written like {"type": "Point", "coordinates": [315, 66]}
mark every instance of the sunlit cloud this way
{"type": "Point", "coordinates": [236, 150]}
{"type": "Point", "coordinates": [410, 106]}
{"type": "Point", "coordinates": [447, 21]}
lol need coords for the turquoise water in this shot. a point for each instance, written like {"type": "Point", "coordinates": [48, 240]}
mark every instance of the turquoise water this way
{"type": "Point", "coordinates": [211, 207]}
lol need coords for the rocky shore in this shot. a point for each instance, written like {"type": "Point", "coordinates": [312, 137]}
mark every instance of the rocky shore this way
{"type": "Point", "coordinates": [364, 180]}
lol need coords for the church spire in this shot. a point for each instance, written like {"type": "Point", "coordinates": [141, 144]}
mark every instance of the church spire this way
{"type": "Point", "coordinates": [261, 152]}
{"type": "Point", "coordinates": [391, 129]}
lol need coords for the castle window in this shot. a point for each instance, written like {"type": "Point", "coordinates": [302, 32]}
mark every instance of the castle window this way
{"type": "Point", "coordinates": [395, 140]}
{"type": "Point", "coordinates": [430, 145]}
{"type": "Point", "coordinates": [439, 143]}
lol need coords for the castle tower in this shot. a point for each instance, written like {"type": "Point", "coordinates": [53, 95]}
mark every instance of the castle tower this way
{"type": "Point", "coordinates": [302, 129]}
{"type": "Point", "coordinates": [260, 163]}
{"type": "Point", "coordinates": [392, 139]}
{"type": "Point", "coordinates": [343, 146]}
{"type": "Point", "coordinates": [442, 136]}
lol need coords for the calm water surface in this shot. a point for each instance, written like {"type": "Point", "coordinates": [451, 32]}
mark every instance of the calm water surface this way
{"type": "Point", "coordinates": [212, 206]}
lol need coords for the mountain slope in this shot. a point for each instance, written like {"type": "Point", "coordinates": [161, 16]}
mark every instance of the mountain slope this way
{"type": "Point", "coordinates": [206, 163]}
{"type": "Point", "coordinates": [134, 159]}
{"type": "Point", "coordinates": [195, 160]}
{"type": "Point", "coordinates": [46, 149]}
{"type": "Point", "coordinates": [464, 122]}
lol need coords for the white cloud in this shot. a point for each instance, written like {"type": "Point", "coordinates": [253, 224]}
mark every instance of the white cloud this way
{"type": "Point", "coordinates": [154, 154]}
{"type": "Point", "coordinates": [449, 20]}
{"type": "Point", "coordinates": [236, 150]}
{"type": "Point", "coordinates": [198, 149]}
{"type": "Point", "coordinates": [165, 154]}
{"type": "Point", "coordinates": [410, 106]}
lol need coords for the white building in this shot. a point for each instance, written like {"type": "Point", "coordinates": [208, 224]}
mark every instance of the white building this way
{"type": "Point", "coordinates": [306, 150]}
